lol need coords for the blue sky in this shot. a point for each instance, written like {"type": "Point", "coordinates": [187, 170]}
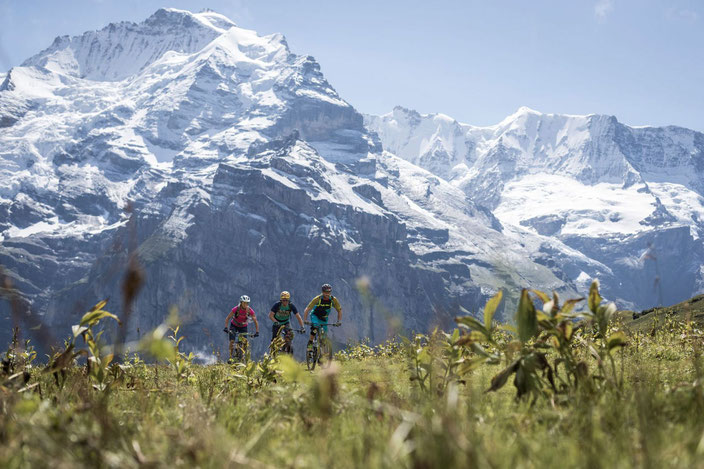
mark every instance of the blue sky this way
{"type": "Point", "coordinates": [477, 61]}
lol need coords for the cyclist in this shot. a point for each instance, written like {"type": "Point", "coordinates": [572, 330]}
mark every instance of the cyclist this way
{"type": "Point", "coordinates": [321, 306]}
{"type": "Point", "coordinates": [237, 320]}
{"type": "Point", "coordinates": [280, 314]}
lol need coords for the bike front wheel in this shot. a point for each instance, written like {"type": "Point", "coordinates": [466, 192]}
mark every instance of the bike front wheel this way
{"type": "Point", "coordinates": [325, 353]}
{"type": "Point", "coordinates": [242, 353]}
{"type": "Point", "coordinates": [311, 357]}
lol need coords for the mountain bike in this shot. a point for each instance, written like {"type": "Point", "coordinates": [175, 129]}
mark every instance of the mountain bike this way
{"type": "Point", "coordinates": [320, 351]}
{"type": "Point", "coordinates": [241, 353]}
{"type": "Point", "coordinates": [282, 342]}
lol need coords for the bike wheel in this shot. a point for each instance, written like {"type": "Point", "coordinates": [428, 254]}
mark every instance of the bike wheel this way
{"type": "Point", "coordinates": [311, 357]}
{"type": "Point", "coordinates": [242, 352]}
{"type": "Point", "coordinates": [325, 353]}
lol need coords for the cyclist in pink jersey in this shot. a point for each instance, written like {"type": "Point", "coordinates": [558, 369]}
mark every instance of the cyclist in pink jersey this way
{"type": "Point", "coordinates": [237, 321]}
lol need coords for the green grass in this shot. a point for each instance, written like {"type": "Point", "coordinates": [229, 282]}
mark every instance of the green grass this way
{"type": "Point", "coordinates": [363, 412]}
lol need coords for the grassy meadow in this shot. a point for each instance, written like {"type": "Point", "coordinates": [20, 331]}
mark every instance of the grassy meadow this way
{"type": "Point", "coordinates": [556, 390]}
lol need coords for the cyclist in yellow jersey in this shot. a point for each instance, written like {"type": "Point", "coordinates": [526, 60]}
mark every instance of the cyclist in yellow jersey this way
{"type": "Point", "coordinates": [321, 306]}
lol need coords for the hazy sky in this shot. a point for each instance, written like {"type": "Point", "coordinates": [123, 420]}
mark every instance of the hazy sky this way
{"type": "Point", "coordinates": [477, 61]}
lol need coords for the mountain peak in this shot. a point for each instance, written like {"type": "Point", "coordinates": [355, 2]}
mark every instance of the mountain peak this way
{"type": "Point", "coordinates": [523, 111]}
{"type": "Point", "coordinates": [121, 50]}
{"type": "Point", "coordinates": [176, 17]}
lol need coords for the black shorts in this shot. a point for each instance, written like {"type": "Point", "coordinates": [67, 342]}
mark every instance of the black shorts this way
{"type": "Point", "coordinates": [276, 327]}
{"type": "Point", "coordinates": [234, 330]}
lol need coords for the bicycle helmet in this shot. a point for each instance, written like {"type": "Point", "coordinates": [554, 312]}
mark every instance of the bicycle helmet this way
{"type": "Point", "coordinates": [285, 295]}
{"type": "Point", "coordinates": [244, 299]}
{"type": "Point", "coordinates": [326, 287]}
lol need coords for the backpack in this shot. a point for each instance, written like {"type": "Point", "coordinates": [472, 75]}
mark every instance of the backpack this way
{"type": "Point", "coordinates": [320, 306]}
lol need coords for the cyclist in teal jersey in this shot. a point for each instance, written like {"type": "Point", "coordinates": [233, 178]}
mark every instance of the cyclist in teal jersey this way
{"type": "Point", "coordinates": [321, 306]}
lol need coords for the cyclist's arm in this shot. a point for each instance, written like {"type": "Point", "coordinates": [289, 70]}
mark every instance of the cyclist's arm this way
{"type": "Point", "coordinates": [229, 316]}
{"type": "Point", "coordinates": [336, 305]}
{"type": "Point", "coordinates": [298, 316]}
{"type": "Point", "coordinates": [309, 307]}
{"type": "Point", "coordinates": [271, 316]}
{"type": "Point", "coordinates": [300, 321]}
{"type": "Point", "coordinates": [254, 318]}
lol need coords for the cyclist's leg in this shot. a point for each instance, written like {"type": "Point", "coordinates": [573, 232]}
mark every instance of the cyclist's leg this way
{"type": "Point", "coordinates": [233, 336]}
{"type": "Point", "coordinates": [313, 330]}
{"type": "Point", "coordinates": [274, 331]}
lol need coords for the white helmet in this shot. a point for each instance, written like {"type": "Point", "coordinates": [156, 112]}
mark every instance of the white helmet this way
{"type": "Point", "coordinates": [244, 299]}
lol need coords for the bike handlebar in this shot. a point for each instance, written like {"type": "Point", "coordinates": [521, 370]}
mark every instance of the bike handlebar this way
{"type": "Point", "coordinates": [246, 334]}
{"type": "Point", "coordinates": [334, 324]}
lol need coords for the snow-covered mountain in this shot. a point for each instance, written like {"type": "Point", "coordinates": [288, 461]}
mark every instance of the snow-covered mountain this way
{"type": "Point", "coordinates": [245, 173]}
{"type": "Point", "coordinates": [229, 165]}
{"type": "Point", "coordinates": [629, 198]}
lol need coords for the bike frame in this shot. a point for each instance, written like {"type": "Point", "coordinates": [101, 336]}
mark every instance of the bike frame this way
{"type": "Point", "coordinates": [241, 345]}
{"type": "Point", "coordinates": [320, 338]}
{"type": "Point", "coordinates": [286, 332]}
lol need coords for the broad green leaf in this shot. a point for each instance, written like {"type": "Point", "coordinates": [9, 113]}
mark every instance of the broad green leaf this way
{"type": "Point", "coordinates": [473, 323]}
{"type": "Point", "coordinates": [526, 318]}
{"type": "Point", "coordinates": [92, 318]}
{"type": "Point", "coordinates": [542, 295]}
{"type": "Point", "coordinates": [545, 324]}
{"type": "Point", "coordinates": [498, 381]}
{"type": "Point", "coordinates": [566, 328]}
{"type": "Point", "coordinates": [569, 306]}
{"type": "Point", "coordinates": [107, 359]}
{"type": "Point", "coordinates": [542, 317]}
{"type": "Point", "coordinates": [490, 309]}
{"type": "Point", "coordinates": [99, 306]}
{"type": "Point", "coordinates": [594, 297]}
{"type": "Point", "coordinates": [617, 339]}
